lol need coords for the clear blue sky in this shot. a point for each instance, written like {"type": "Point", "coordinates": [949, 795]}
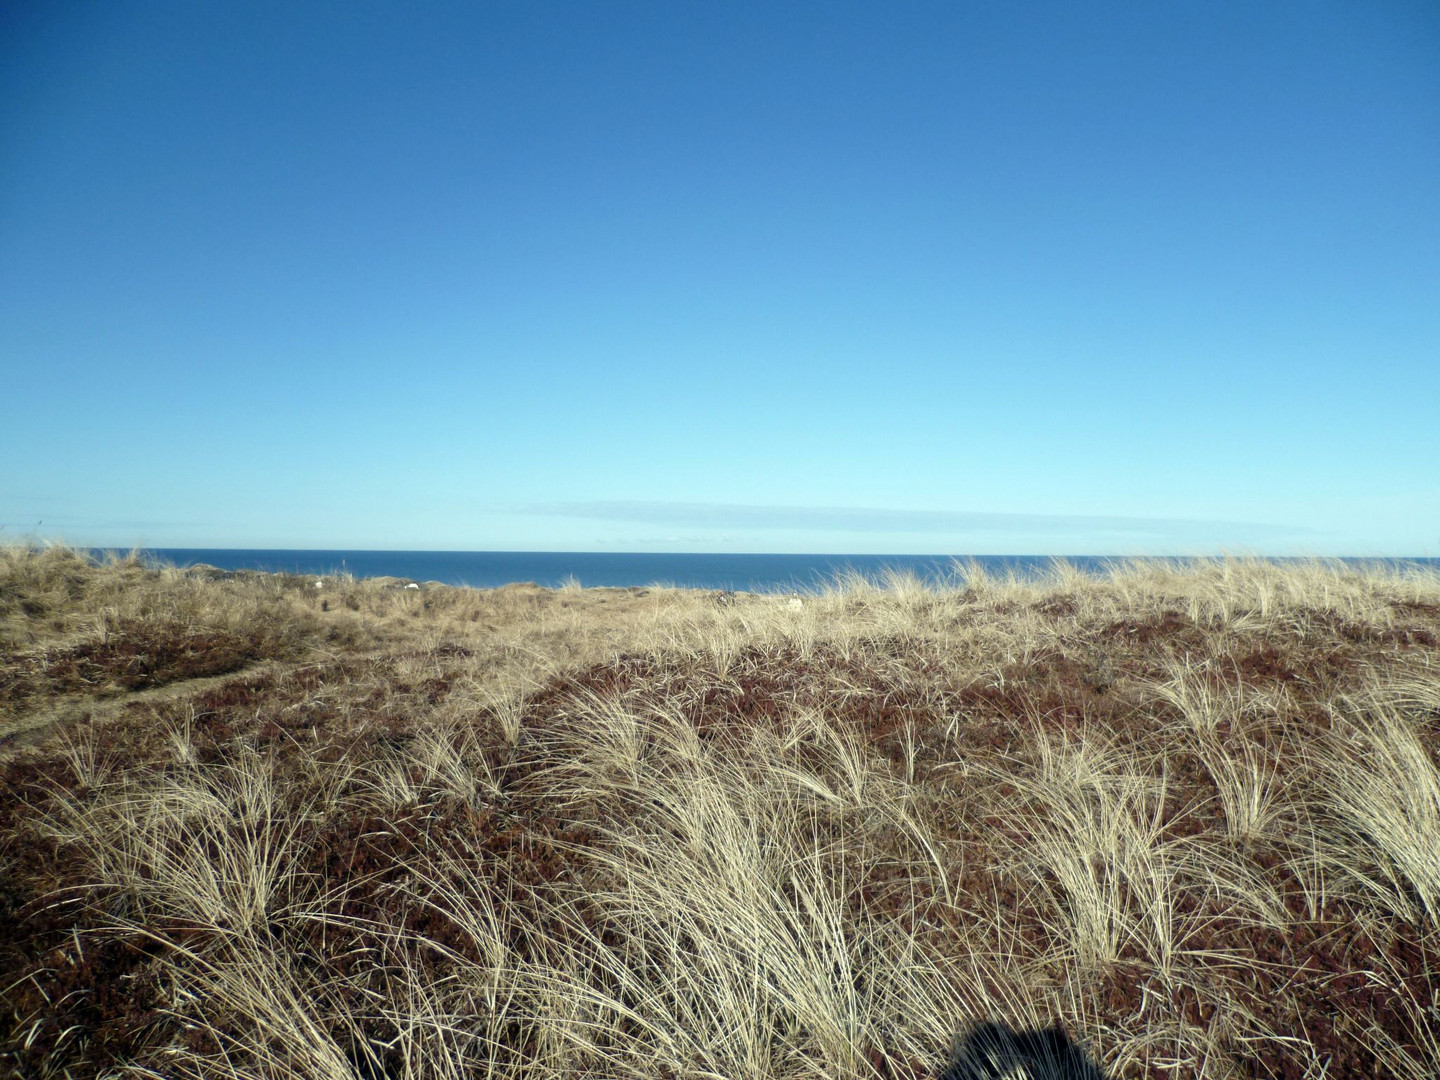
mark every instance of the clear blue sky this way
{"type": "Point", "coordinates": [890, 277]}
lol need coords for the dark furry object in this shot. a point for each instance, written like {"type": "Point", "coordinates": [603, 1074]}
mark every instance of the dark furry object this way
{"type": "Point", "coordinates": [995, 1052]}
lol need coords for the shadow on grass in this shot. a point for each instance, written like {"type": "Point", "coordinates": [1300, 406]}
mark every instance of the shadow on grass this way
{"type": "Point", "coordinates": [995, 1052]}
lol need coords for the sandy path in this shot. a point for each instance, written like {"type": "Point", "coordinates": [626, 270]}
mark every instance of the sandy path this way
{"type": "Point", "coordinates": [54, 715]}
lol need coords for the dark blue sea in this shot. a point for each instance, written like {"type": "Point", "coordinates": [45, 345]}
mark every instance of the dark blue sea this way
{"type": "Point", "coordinates": [748, 573]}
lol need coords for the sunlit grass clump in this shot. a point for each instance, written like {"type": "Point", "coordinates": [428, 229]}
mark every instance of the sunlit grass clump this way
{"type": "Point", "coordinates": [268, 826]}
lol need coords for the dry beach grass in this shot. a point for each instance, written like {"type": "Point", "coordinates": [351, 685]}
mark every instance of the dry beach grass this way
{"type": "Point", "coordinates": [254, 828]}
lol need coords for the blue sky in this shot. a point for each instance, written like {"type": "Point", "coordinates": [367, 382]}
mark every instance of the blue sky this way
{"type": "Point", "coordinates": [892, 278]}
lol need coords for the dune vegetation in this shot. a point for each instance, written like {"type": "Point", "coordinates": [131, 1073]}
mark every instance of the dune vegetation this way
{"type": "Point", "coordinates": [285, 827]}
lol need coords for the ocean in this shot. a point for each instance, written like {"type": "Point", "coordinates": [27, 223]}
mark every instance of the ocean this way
{"type": "Point", "coordinates": [747, 573]}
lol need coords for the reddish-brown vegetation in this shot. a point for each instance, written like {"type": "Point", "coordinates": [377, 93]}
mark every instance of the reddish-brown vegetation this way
{"type": "Point", "coordinates": [544, 836]}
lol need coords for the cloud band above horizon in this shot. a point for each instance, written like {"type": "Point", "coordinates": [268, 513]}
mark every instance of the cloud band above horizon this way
{"type": "Point", "coordinates": [878, 520]}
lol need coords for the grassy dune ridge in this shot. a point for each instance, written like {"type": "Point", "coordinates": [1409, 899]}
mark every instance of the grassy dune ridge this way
{"type": "Point", "coordinates": [252, 827]}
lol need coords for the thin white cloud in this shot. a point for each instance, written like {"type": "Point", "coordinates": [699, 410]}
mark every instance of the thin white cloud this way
{"type": "Point", "coordinates": [852, 519]}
